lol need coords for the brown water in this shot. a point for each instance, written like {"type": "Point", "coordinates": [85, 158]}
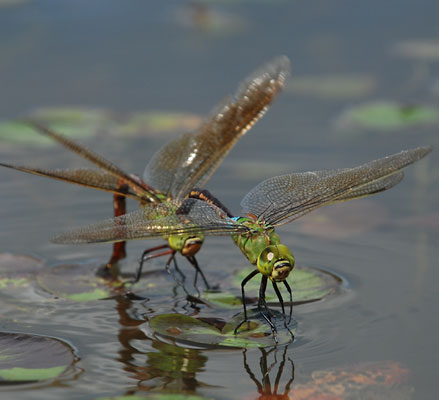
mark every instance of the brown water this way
{"type": "Point", "coordinates": [131, 56]}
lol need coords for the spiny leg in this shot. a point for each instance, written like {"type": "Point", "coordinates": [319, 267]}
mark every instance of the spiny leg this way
{"type": "Point", "coordinates": [198, 270]}
{"type": "Point", "coordinates": [243, 283]}
{"type": "Point", "coordinates": [267, 314]}
{"type": "Point", "coordinates": [281, 301]}
{"type": "Point", "coordinates": [146, 257]}
{"type": "Point", "coordinates": [291, 299]}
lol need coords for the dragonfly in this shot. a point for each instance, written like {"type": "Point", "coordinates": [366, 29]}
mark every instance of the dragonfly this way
{"type": "Point", "coordinates": [273, 202]}
{"type": "Point", "coordinates": [179, 166]}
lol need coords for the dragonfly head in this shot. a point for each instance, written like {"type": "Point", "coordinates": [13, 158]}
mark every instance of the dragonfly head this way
{"type": "Point", "coordinates": [187, 244]}
{"type": "Point", "coordinates": [276, 261]}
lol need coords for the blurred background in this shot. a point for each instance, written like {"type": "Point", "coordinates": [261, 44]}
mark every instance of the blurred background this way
{"type": "Point", "coordinates": [124, 77]}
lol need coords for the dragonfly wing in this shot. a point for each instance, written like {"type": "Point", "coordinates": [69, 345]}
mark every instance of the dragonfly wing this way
{"type": "Point", "coordinates": [142, 191]}
{"type": "Point", "coordinates": [92, 178]}
{"type": "Point", "coordinates": [157, 220]}
{"type": "Point", "coordinates": [284, 198]}
{"type": "Point", "coordinates": [189, 161]}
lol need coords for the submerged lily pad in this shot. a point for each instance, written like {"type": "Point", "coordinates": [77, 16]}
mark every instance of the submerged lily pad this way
{"type": "Point", "coordinates": [158, 396]}
{"type": "Point", "coordinates": [17, 270]}
{"type": "Point", "coordinates": [188, 330]}
{"type": "Point", "coordinates": [387, 116]}
{"type": "Point", "coordinates": [332, 86]}
{"type": "Point", "coordinates": [28, 358]}
{"type": "Point", "coordinates": [380, 380]}
{"type": "Point", "coordinates": [307, 284]}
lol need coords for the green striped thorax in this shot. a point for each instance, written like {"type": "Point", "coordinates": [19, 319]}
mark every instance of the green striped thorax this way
{"type": "Point", "coordinates": [262, 248]}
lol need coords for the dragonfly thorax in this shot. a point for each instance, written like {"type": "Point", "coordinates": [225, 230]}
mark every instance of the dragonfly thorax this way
{"type": "Point", "coordinates": [262, 248]}
{"type": "Point", "coordinates": [187, 244]}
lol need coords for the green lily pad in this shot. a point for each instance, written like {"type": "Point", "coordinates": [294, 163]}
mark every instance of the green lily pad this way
{"type": "Point", "coordinates": [332, 86]}
{"type": "Point", "coordinates": [18, 270]}
{"type": "Point", "coordinates": [308, 285]}
{"type": "Point", "coordinates": [28, 358]}
{"type": "Point", "coordinates": [77, 282]}
{"type": "Point", "coordinates": [82, 282]}
{"type": "Point", "coordinates": [188, 330]}
{"type": "Point", "coordinates": [387, 116]}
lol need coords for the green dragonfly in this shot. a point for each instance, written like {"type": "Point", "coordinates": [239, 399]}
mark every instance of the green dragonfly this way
{"type": "Point", "coordinates": [179, 166]}
{"type": "Point", "coordinates": [273, 202]}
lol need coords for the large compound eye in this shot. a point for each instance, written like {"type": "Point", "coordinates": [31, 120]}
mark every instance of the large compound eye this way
{"type": "Point", "coordinates": [266, 260]}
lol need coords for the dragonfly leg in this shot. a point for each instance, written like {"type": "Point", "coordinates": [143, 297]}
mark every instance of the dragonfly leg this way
{"type": "Point", "coordinates": [262, 303]}
{"type": "Point", "coordinates": [119, 248]}
{"type": "Point", "coordinates": [243, 283]}
{"type": "Point", "coordinates": [291, 299]}
{"type": "Point", "coordinates": [198, 270]}
{"type": "Point", "coordinates": [281, 301]}
{"type": "Point", "coordinates": [146, 257]}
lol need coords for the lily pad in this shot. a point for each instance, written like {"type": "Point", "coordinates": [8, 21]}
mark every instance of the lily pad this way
{"type": "Point", "coordinates": [18, 270]}
{"type": "Point", "coordinates": [28, 358]}
{"type": "Point", "coordinates": [77, 282]}
{"type": "Point", "coordinates": [192, 331]}
{"type": "Point", "coordinates": [82, 282]}
{"type": "Point", "coordinates": [387, 116]}
{"type": "Point", "coordinates": [308, 285]}
{"type": "Point", "coordinates": [332, 86]}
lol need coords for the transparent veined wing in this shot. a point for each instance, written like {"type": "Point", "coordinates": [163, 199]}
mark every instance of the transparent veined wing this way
{"type": "Point", "coordinates": [88, 177]}
{"type": "Point", "coordinates": [189, 161]}
{"type": "Point", "coordinates": [141, 190]}
{"type": "Point", "coordinates": [157, 220]}
{"type": "Point", "coordinates": [284, 198]}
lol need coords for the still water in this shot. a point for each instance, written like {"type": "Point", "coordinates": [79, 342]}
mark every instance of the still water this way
{"type": "Point", "coordinates": [177, 56]}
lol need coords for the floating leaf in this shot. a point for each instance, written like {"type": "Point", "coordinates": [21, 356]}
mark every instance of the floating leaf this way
{"type": "Point", "coordinates": [332, 86]}
{"type": "Point", "coordinates": [82, 282]}
{"type": "Point", "coordinates": [188, 330]}
{"type": "Point", "coordinates": [387, 116]}
{"type": "Point", "coordinates": [307, 285]}
{"type": "Point", "coordinates": [28, 358]}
